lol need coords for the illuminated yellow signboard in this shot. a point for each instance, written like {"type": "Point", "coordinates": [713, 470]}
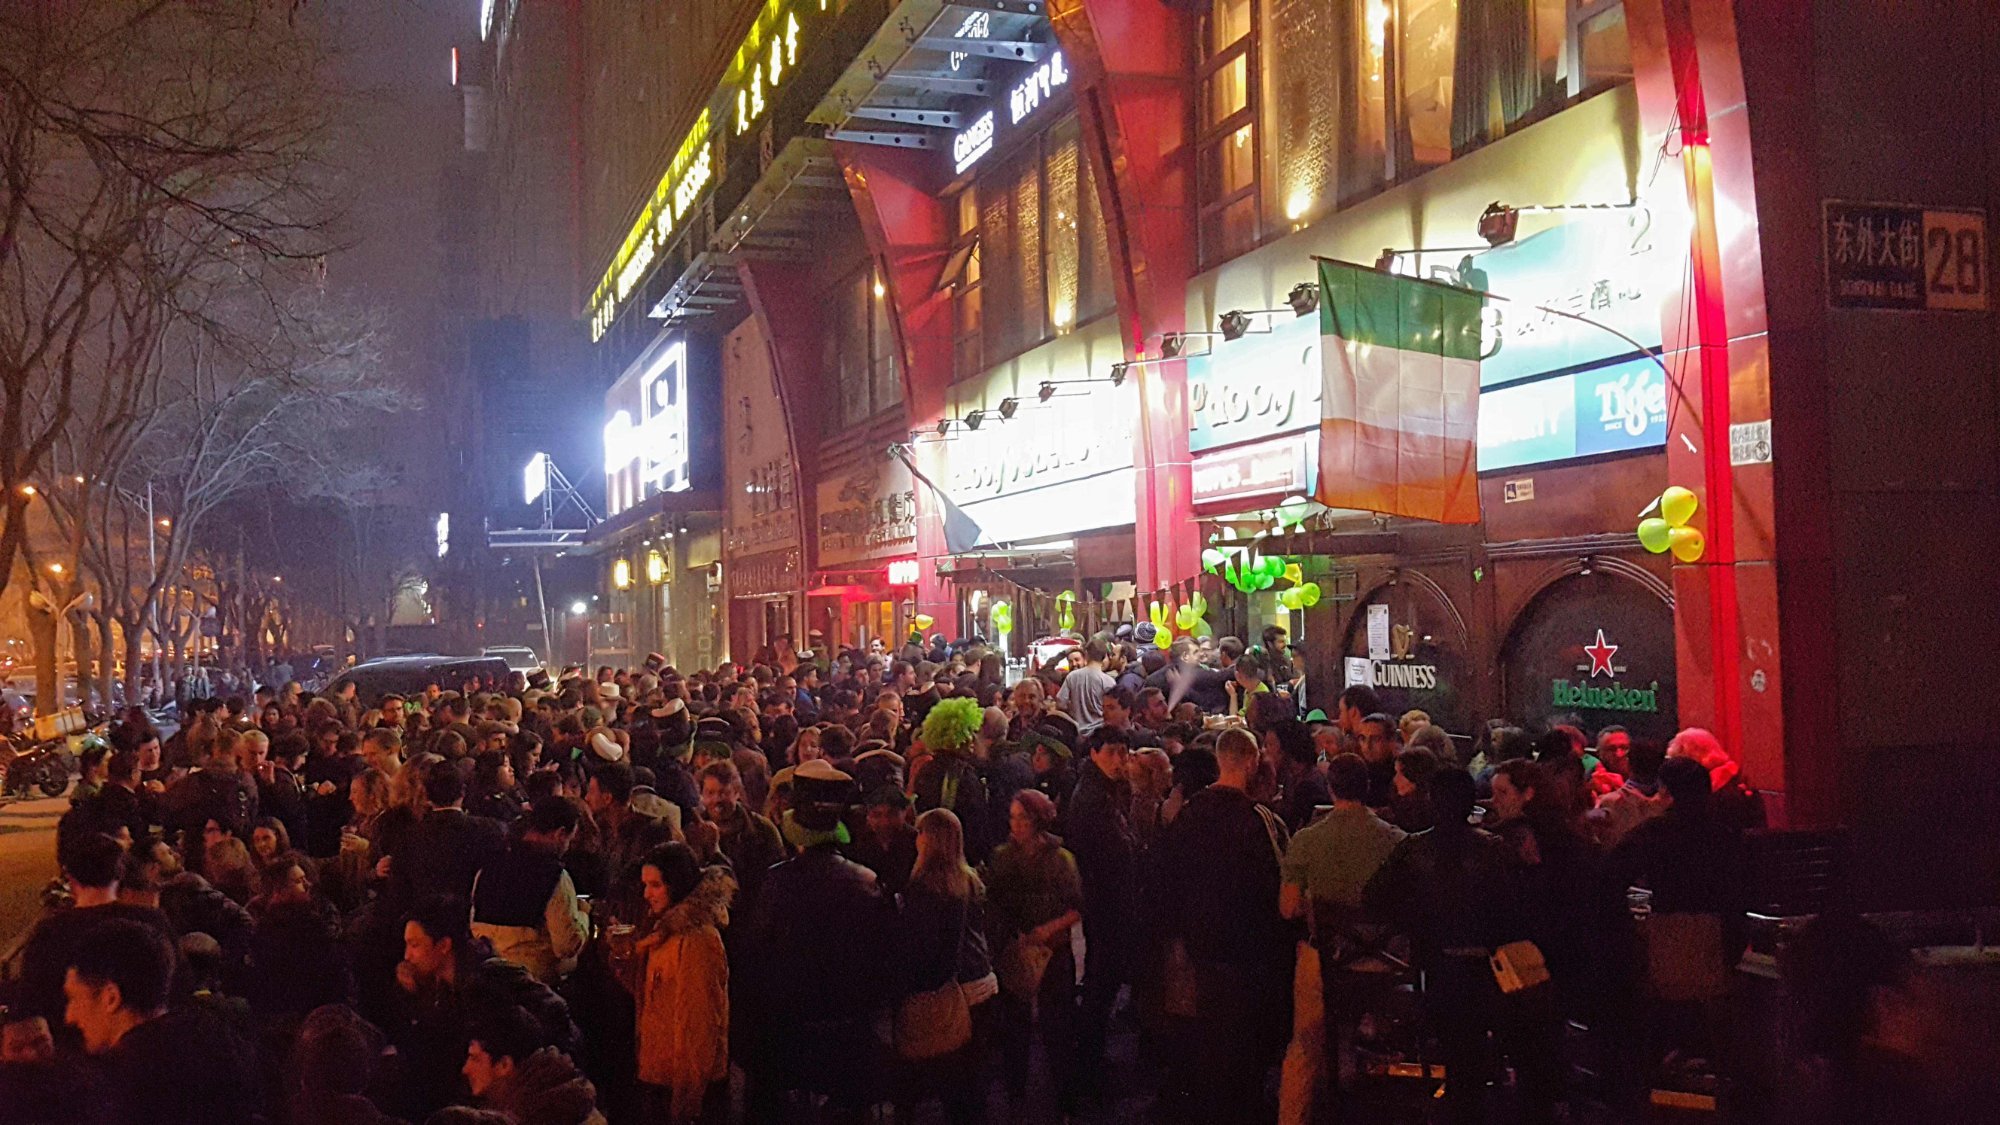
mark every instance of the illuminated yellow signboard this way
{"type": "Point", "coordinates": [766, 59]}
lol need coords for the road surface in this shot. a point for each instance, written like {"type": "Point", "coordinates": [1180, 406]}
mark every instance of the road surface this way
{"type": "Point", "coordinates": [27, 861]}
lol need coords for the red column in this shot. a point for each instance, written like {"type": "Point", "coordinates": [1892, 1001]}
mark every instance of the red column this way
{"type": "Point", "coordinates": [909, 233]}
{"type": "Point", "coordinates": [1129, 59]}
{"type": "Point", "coordinates": [1690, 81]}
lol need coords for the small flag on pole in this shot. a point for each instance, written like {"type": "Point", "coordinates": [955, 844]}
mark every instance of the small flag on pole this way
{"type": "Point", "coordinates": [1400, 410]}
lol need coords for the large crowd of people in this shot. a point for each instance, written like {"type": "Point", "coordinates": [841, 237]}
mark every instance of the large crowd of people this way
{"type": "Point", "coordinates": [824, 886]}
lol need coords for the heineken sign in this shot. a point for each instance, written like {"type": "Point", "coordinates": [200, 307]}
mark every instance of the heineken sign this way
{"type": "Point", "coordinates": [1614, 696]}
{"type": "Point", "coordinates": [1594, 649]}
{"type": "Point", "coordinates": [1609, 697]}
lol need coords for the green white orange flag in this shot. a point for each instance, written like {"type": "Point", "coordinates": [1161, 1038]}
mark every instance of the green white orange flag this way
{"type": "Point", "coordinates": [1399, 411]}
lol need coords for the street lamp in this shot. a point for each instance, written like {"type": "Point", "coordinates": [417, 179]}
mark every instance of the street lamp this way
{"type": "Point", "coordinates": [578, 609]}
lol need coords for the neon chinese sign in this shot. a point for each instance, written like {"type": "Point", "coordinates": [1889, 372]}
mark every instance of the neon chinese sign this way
{"type": "Point", "coordinates": [1040, 87]}
{"type": "Point", "coordinates": [764, 61]}
{"type": "Point", "coordinates": [1028, 95]}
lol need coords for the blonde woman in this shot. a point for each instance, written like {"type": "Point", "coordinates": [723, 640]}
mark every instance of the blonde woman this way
{"type": "Point", "coordinates": [943, 946]}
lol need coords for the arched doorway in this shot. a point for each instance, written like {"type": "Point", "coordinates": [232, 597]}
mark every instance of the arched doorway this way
{"type": "Point", "coordinates": [1597, 649]}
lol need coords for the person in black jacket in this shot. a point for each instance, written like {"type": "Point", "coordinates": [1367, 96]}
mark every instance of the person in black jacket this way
{"type": "Point", "coordinates": [1098, 831]}
{"type": "Point", "coordinates": [1452, 890]}
{"type": "Point", "coordinates": [1213, 895]}
{"type": "Point", "coordinates": [450, 983]}
{"type": "Point", "coordinates": [449, 845]}
{"type": "Point", "coordinates": [817, 960]}
{"type": "Point", "coordinates": [218, 791]}
{"type": "Point", "coordinates": [186, 1066]}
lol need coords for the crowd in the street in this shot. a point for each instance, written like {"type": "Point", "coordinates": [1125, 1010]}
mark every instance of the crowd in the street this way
{"type": "Point", "coordinates": [820, 885]}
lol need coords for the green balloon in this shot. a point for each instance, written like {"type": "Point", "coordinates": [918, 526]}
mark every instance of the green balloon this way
{"type": "Point", "coordinates": [1308, 594]}
{"type": "Point", "coordinates": [1289, 598]}
{"type": "Point", "coordinates": [1212, 558]}
{"type": "Point", "coordinates": [1294, 511]}
{"type": "Point", "coordinates": [1653, 534]}
{"type": "Point", "coordinates": [1274, 566]}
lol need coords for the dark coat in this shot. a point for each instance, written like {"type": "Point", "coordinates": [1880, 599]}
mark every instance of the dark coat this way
{"type": "Point", "coordinates": [444, 853]}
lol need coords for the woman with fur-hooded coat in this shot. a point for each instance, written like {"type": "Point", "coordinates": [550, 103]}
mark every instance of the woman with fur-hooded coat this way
{"type": "Point", "coordinates": [683, 989]}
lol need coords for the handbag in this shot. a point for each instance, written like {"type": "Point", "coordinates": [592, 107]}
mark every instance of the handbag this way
{"type": "Point", "coordinates": [936, 1023]}
{"type": "Point", "coordinates": [1022, 966]}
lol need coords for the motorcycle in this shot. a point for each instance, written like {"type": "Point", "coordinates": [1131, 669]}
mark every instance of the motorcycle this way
{"type": "Point", "coordinates": [36, 767]}
{"type": "Point", "coordinates": [45, 761]}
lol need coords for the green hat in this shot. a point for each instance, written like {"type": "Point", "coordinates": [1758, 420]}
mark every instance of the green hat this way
{"type": "Point", "coordinates": [1053, 745]}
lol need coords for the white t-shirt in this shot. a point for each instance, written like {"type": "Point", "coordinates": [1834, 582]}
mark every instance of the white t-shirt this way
{"type": "Point", "coordinates": [1082, 696]}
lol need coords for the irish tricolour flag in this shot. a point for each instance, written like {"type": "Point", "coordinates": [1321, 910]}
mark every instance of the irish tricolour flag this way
{"type": "Point", "coordinates": [1400, 406]}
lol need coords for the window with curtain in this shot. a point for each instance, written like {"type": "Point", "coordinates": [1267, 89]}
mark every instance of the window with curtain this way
{"type": "Point", "coordinates": [848, 349]}
{"type": "Point", "coordinates": [884, 368]}
{"type": "Point", "coordinates": [1031, 260]}
{"type": "Point", "coordinates": [1348, 96]}
{"type": "Point", "coordinates": [1010, 251]}
{"type": "Point", "coordinates": [1078, 269]}
{"type": "Point", "coordinates": [962, 273]}
{"type": "Point", "coordinates": [1226, 142]}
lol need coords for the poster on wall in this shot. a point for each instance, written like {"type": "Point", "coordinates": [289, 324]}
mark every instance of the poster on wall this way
{"type": "Point", "coordinates": [1596, 650]}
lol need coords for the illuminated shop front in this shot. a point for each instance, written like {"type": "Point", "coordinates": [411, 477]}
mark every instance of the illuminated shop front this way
{"type": "Point", "coordinates": [660, 543]}
{"type": "Point", "coordinates": [1573, 418]}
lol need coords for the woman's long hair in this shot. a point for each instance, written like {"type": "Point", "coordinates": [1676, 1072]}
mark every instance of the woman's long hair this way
{"type": "Point", "coordinates": [941, 868]}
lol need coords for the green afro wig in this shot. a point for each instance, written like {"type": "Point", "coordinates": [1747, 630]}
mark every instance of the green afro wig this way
{"type": "Point", "coordinates": [952, 724]}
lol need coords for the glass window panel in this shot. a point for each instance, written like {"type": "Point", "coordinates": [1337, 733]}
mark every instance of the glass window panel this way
{"type": "Point", "coordinates": [1027, 220]}
{"type": "Point", "coordinates": [1605, 49]}
{"type": "Point", "coordinates": [1095, 294]}
{"type": "Point", "coordinates": [885, 375]}
{"type": "Point", "coordinates": [1226, 91]}
{"type": "Point", "coordinates": [1551, 49]}
{"type": "Point", "coordinates": [968, 210]}
{"type": "Point", "coordinates": [1061, 221]}
{"type": "Point", "coordinates": [1229, 231]}
{"type": "Point", "coordinates": [1228, 21]}
{"type": "Point", "coordinates": [853, 349]}
{"type": "Point", "coordinates": [1429, 38]}
{"type": "Point", "coordinates": [1228, 165]}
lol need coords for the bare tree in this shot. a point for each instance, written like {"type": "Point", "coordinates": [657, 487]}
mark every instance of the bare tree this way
{"type": "Point", "coordinates": [150, 150]}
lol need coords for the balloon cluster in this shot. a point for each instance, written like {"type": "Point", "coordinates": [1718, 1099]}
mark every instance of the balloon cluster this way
{"type": "Point", "coordinates": [1001, 615]}
{"type": "Point", "coordinates": [1669, 531]}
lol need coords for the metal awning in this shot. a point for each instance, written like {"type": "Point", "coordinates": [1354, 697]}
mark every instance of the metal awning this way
{"type": "Point", "coordinates": [927, 65]}
{"type": "Point", "coordinates": [775, 222]}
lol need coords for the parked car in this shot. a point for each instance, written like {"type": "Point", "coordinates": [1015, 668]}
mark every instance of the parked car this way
{"type": "Point", "coordinates": [409, 675]}
{"type": "Point", "coordinates": [519, 658]}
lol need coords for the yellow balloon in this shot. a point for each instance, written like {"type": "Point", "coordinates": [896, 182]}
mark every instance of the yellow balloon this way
{"type": "Point", "coordinates": [1687, 543]}
{"type": "Point", "coordinates": [924, 620]}
{"type": "Point", "coordinates": [1163, 639]}
{"type": "Point", "coordinates": [1293, 574]}
{"type": "Point", "coordinates": [1654, 534]}
{"type": "Point", "coordinates": [1677, 505]}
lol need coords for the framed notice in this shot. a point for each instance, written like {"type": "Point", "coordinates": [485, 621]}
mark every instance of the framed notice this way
{"type": "Point", "coordinates": [1895, 256]}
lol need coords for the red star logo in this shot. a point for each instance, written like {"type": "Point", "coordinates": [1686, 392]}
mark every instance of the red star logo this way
{"type": "Point", "coordinates": [1600, 655]}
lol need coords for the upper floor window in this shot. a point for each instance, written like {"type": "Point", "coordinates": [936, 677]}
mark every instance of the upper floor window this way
{"type": "Point", "coordinates": [1031, 260]}
{"type": "Point", "coordinates": [860, 352]}
{"type": "Point", "coordinates": [1306, 104]}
